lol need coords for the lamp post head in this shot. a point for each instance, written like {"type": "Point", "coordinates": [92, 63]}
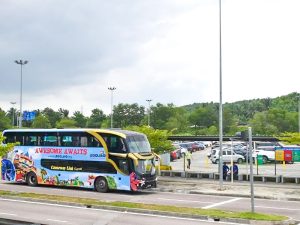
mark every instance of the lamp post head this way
{"type": "Point", "coordinates": [112, 88]}
{"type": "Point", "coordinates": [20, 62]}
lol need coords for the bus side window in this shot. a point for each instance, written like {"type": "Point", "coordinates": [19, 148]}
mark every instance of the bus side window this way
{"type": "Point", "coordinates": [10, 138]}
{"type": "Point", "coordinates": [93, 142]}
{"type": "Point", "coordinates": [19, 138]}
{"type": "Point", "coordinates": [75, 141]}
{"type": "Point", "coordinates": [83, 142]}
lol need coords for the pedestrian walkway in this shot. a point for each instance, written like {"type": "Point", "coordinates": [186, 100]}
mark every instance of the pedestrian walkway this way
{"type": "Point", "coordinates": [237, 188]}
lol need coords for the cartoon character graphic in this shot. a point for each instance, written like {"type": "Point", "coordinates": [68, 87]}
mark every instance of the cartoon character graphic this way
{"type": "Point", "coordinates": [8, 170]}
{"type": "Point", "coordinates": [23, 164]}
{"type": "Point", "coordinates": [111, 182]}
{"type": "Point", "coordinates": [134, 182]}
{"type": "Point", "coordinates": [91, 179]}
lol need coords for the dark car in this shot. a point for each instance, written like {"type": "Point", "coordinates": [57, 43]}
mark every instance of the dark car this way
{"type": "Point", "coordinates": [189, 146]}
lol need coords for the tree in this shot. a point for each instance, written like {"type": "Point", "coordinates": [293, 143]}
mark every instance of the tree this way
{"type": "Point", "coordinates": [161, 114]}
{"type": "Point", "coordinates": [158, 139]}
{"type": "Point", "coordinates": [204, 117]}
{"type": "Point", "coordinates": [41, 121]}
{"type": "Point", "coordinates": [96, 119]}
{"type": "Point", "coordinates": [178, 122]}
{"type": "Point", "coordinates": [290, 138]}
{"type": "Point", "coordinates": [5, 122]}
{"type": "Point", "coordinates": [64, 113]}
{"type": "Point", "coordinates": [80, 119]}
{"type": "Point", "coordinates": [5, 148]}
{"type": "Point", "coordinates": [128, 115]}
{"type": "Point", "coordinates": [52, 116]}
{"type": "Point", "coordinates": [66, 123]}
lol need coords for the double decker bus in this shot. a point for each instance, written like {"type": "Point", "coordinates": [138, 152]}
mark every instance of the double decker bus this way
{"type": "Point", "coordinates": [102, 159]}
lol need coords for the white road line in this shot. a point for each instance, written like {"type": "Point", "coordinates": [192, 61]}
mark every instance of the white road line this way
{"type": "Point", "coordinates": [181, 200]}
{"type": "Point", "coordinates": [221, 203]}
{"type": "Point", "coordinates": [59, 221]}
{"type": "Point", "coordinates": [268, 207]}
{"type": "Point", "coordinates": [8, 214]}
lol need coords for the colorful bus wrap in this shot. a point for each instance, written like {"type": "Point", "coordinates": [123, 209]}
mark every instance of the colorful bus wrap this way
{"type": "Point", "coordinates": [91, 158]}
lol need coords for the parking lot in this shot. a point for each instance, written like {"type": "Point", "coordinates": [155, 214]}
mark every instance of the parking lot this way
{"type": "Point", "coordinates": [201, 163]}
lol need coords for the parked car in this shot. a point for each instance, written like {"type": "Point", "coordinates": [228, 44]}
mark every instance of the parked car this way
{"type": "Point", "coordinates": [177, 149]}
{"type": "Point", "coordinates": [215, 156]}
{"type": "Point", "coordinates": [173, 155]}
{"type": "Point", "coordinates": [267, 152]}
{"type": "Point", "coordinates": [188, 145]}
{"type": "Point", "coordinates": [199, 145]}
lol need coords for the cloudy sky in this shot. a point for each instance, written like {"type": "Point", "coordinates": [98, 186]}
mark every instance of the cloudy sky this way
{"type": "Point", "coordinates": [164, 50]}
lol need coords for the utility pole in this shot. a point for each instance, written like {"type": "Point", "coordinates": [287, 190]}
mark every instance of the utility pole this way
{"type": "Point", "coordinates": [149, 101]}
{"type": "Point", "coordinates": [220, 104]}
{"type": "Point", "coordinates": [21, 63]}
{"type": "Point", "coordinates": [111, 102]}
{"type": "Point", "coordinates": [251, 169]}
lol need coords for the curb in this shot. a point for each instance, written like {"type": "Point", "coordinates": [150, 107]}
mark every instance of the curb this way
{"type": "Point", "coordinates": [162, 213]}
{"type": "Point", "coordinates": [222, 194]}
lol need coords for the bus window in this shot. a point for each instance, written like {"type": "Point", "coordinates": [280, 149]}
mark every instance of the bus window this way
{"type": "Point", "coordinates": [30, 140]}
{"type": "Point", "coordinates": [114, 143]}
{"type": "Point", "coordinates": [50, 140]}
{"type": "Point", "coordinates": [19, 138]}
{"type": "Point", "coordinates": [83, 141]}
{"type": "Point", "coordinates": [66, 140]}
{"type": "Point", "coordinates": [10, 138]}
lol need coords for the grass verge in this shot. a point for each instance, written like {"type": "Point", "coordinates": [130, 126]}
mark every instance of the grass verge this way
{"type": "Point", "coordinates": [214, 213]}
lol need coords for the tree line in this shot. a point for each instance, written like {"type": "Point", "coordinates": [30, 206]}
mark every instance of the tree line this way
{"type": "Point", "coordinates": [268, 116]}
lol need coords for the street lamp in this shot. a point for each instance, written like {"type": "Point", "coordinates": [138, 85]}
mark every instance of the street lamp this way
{"type": "Point", "coordinates": [21, 63]}
{"type": "Point", "coordinates": [149, 101]}
{"type": "Point", "coordinates": [13, 113]}
{"type": "Point", "coordinates": [111, 114]}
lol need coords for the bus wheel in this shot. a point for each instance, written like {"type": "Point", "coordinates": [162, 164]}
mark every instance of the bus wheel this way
{"type": "Point", "coordinates": [31, 179]}
{"type": "Point", "coordinates": [101, 184]}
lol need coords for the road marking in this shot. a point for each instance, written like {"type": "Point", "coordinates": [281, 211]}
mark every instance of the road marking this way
{"type": "Point", "coordinates": [268, 207]}
{"type": "Point", "coordinates": [221, 203]}
{"type": "Point", "coordinates": [8, 214]}
{"type": "Point", "coordinates": [59, 221]}
{"type": "Point", "coordinates": [181, 200]}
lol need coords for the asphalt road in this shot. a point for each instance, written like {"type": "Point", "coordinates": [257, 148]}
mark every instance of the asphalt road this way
{"type": "Point", "coordinates": [45, 213]}
{"type": "Point", "coordinates": [288, 208]}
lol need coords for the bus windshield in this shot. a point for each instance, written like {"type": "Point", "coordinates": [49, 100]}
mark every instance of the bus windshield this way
{"type": "Point", "coordinates": [138, 144]}
{"type": "Point", "coordinates": [145, 167]}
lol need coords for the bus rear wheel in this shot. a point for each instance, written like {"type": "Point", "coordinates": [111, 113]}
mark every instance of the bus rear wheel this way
{"type": "Point", "coordinates": [101, 184]}
{"type": "Point", "coordinates": [31, 179]}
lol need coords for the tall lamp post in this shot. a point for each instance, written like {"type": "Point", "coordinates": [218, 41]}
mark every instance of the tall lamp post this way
{"type": "Point", "coordinates": [111, 102]}
{"type": "Point", "coordinates": [13, 113]}
{"type": "Point", "coordinates": [220, 105]}
{"type": "Point", "coordinates": [21, 63]}
{"type": "Point", "coordinates": [149, 101]}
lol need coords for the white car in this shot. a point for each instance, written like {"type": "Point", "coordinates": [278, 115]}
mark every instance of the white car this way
{"type": "Point", "coordinates": [215, 157]}
{"type": "Point", "coordinates": [183, 150]}
{"type": "Point", "coordinates": [267, 152]}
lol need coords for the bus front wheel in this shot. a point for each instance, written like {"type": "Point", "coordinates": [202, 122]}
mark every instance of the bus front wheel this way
{"type": "Point", "coordinates": [31, 179]}
{"type": "Point", "coordinates": [101, 184]}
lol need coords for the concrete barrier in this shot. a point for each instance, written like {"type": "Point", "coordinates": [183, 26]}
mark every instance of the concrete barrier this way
{"type": "Point", "coordinates": [266, 178]}
{"type": "Point", "coordinates": [295, 180]}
